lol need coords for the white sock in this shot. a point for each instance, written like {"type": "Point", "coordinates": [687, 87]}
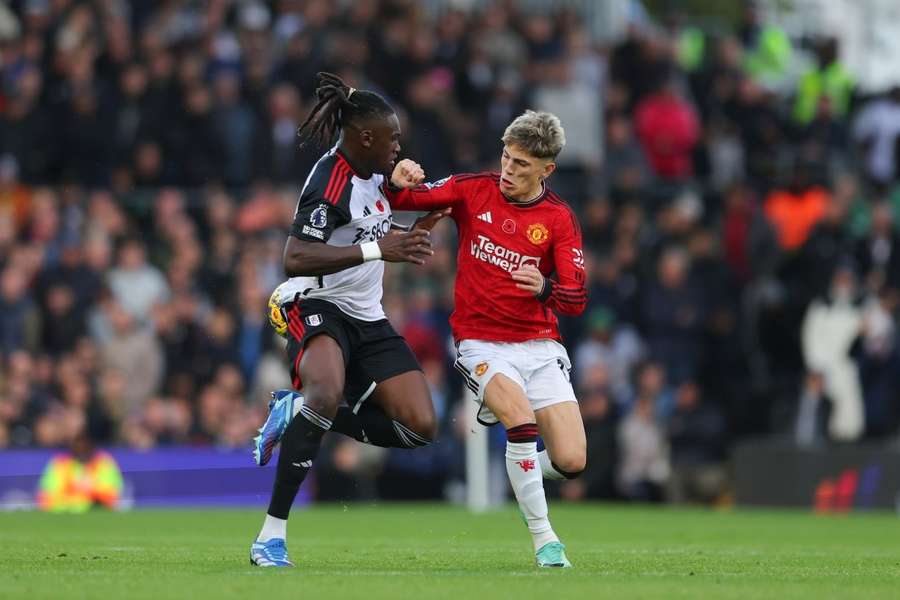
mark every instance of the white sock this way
{"type": "Point", "coordinates": [272, 528]}
{"type": "Point", "coordinates": [528, 484]}
{"type": "Point", "coordinates": [547, 468]}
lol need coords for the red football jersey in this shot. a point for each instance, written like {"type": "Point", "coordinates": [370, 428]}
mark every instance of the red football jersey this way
{"type": "Point", "coordinates": [496, 237]}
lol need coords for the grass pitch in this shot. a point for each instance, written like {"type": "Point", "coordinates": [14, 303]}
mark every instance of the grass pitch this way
{"type": "Point", "coordinates": [422, 551]}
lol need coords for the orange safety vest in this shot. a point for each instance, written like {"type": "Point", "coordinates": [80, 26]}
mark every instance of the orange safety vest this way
{"type": "Point", "coordinates": [68, 485]}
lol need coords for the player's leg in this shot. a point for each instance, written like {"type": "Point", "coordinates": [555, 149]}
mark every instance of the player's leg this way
{"type": "Point", "coordinates": [507, 401]}
{"type": "Point", "coordinates": [410, 424]}
{"type": "Point", "coordinates": [489, 372]}
{"type": "Point", "coordinates": [388, 403]}
{"type": "Point", "coordinates": [321, 370]}
{"type": "Point", "coordinates": [398, 413]}
{"type": "Point", "coordinates": [562, 429]}
{"type": "Point", "coordinates": [559, 421]}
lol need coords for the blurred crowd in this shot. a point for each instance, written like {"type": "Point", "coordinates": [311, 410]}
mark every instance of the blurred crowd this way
{"type": "Point", "coordinates": [737, 195]}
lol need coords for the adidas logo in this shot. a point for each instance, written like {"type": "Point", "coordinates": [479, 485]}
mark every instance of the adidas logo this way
{"type": "Point", "coordinates": [306, 464]}
{"type": "Point", "coordinates": [366, 211]}
{"type": "Point", "coordinates": [486, 217]}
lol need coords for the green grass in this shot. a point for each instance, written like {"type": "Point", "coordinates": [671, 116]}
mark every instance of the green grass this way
{"type": "Point", "coordinates": [421, 551]}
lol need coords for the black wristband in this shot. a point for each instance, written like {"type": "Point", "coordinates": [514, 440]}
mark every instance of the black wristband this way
{"type": "Point", "coordinates": [545, 292]}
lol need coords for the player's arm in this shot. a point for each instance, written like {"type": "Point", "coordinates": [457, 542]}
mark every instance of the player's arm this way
{"type": "Point", "coordinates": [307, 255]}
{"type": "Point", "coordinates": [406, 190]}
{"type": "Point", "coordinates": [567, 294]}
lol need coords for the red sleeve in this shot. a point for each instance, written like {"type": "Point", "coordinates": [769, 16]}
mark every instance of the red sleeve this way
{"type": "Point", "coordinates": [430, 196]}
{"type": "Point", "coordinates": [567, 295]}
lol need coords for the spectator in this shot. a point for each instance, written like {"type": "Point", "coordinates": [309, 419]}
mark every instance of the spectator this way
{"type": "Point", "coordinates": [795, 210]}
{"type": "Point", "coordinates": [626, 171]}
{"type": "Point", "coordinates": [64, 320]}
{"type": "Point", "coordinates": [80, 479]}
{"type": "Point", "coordinates": [877, 129]}
{"type": "Point", "coordinates": [193, 153]}
{"type": "Point", "coordinates": [133, 119]}
{"type": "Point", "coordinates": [878, 254]}
{"type": "Point", "coordinates": [668, 129]}
{"type": "Point", "coordinates": [827, 243]}
{"type": "Point", "coordinates": [830, 79]}
{"type": "Point", "coordinates": [135, 284]}
{"type": "Point", "coordinates": [697, 438]}
{"type": "Point", "coordinates": [877, 359]}
{"type": "Point", "coordinates": [235, 124]}
{"type": "Point", "coordinates": [134, 351]}
{"type": "Point", "coordinates": [613, 345]}
{"type": "Point", "coordinates": [276, 156]}
{"type": "Point", "coordinates": [26, 136]}
{"type": "Point", "coordinates": [92, 135]}
{"type": "Point", "coordinates": [19, 317]}
{"type": "Point", "coordinates": [672, 314]}
{"type": "Point", "coordinates": [644, 466]}
{"type": "Point", "coordinates": [830, 329]}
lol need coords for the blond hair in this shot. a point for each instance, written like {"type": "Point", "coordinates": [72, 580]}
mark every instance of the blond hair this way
{"type": "Point", "coordinates": [538, 133]}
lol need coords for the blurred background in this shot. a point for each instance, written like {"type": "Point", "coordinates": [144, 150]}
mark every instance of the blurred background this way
{"type": "Point", "coordinates": [734, 167]}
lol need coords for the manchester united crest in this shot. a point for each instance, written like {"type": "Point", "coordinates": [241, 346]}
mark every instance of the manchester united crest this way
{"type": "Point", "coordinates": [537, 233]}
{"type": "Point", "coordinates": [481, 368]}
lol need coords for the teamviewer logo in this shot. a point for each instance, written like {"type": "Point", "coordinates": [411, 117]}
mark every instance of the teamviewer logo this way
{"type": "Point", "coordinates": [501, 256]}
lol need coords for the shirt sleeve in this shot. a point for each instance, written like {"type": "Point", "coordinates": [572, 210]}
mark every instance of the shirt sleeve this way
{"type": "Point", "coordinates": [567, 295]}
{"type": "Point", "coordinates": [429, 196]}
{"type": "Point", "coordinates": [316, 218]}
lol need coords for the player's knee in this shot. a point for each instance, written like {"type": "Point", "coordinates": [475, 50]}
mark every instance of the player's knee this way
{"type": "Point", "coordinates": [570, 464]}
{"type": "Point", "coordinates": [322, 395]}
{"type": "Point", "coordinates": [416, 430]}
{"type": "Point", "coordinates": [425, 425]}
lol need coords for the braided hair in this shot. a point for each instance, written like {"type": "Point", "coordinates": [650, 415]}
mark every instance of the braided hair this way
{"type": "Point", "coordinates": [339, 105]}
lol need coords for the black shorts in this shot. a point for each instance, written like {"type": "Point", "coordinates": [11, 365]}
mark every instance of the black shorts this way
{"type": "Point", "coordinates": [373, 351]}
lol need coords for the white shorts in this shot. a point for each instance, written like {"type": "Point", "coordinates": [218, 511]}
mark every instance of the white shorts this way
{"type": "Point", "coordinates": [540, 367]}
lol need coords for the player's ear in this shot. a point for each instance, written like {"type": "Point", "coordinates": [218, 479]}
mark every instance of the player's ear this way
{"type": "Point", "coordinates": [366, 138]}
{"type": "Point", "coordinates": [548, 169]}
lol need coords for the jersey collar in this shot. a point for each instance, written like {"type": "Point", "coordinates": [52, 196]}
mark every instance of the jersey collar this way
{"type": "Point", "coordinates": [540, 197]}
{"type": "Point", "coordinates": [346, 159]}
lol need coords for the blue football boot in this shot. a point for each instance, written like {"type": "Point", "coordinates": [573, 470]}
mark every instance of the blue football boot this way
{"type": "Point", "coordinates": [270, 554]}
{"type": "Point", "coordinates": [281, 411]}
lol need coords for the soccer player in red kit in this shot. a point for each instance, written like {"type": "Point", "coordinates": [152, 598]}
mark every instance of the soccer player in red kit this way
{"type": "Point", "coordinates": [514, 234]}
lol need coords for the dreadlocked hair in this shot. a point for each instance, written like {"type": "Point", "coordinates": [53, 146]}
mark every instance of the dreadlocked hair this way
{"type": "Point", "coordinates": [339, 105]}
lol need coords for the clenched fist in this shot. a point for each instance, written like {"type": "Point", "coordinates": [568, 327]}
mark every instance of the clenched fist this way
{"type": "Point", "coordinates": [529, 279]}
{"type": "Point", "coordinates": [407, 174]}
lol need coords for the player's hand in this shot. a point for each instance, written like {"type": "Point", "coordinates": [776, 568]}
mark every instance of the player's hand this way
{"type": "Point", "coordinates": [430, 220]}
{"type": "Point", "coordinates": [529, 279]}
{"type": "Point", "coordinates": [412, 247]}
{"type": "Point", "coordinates": [407, 174]}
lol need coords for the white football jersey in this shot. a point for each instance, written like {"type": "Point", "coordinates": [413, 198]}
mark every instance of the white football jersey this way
{"type": "Point", "coordinates": [339, 208]}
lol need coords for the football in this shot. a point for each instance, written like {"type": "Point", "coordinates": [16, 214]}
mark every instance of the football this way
{"type": "Point", "coordinates": [277, 318]}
